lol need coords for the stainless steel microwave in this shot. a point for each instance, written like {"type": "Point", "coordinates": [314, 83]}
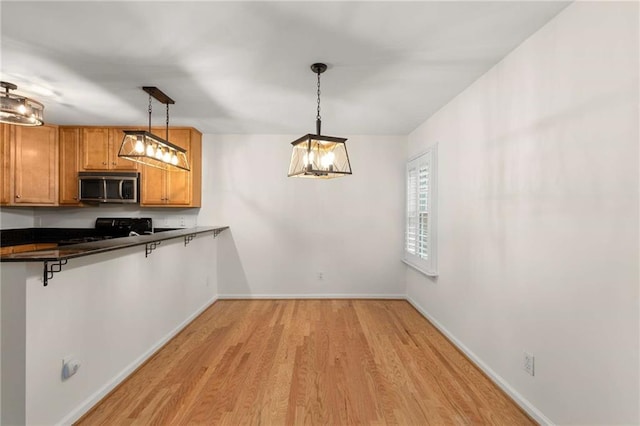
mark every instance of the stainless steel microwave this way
{"type": "Point", "coordinates": [109, 187]}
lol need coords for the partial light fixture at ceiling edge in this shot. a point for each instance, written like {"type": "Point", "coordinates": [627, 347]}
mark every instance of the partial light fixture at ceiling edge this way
{"type": "Point", "coordinates": [20, 110]}
{"type": "Point", "coordinates": [146, 148]}
{"type": "Point", "coordinates": [318, 156]}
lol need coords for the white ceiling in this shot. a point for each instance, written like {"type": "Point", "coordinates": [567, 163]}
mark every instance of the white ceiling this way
{"type": "Point", "coordinates": [243, 67]}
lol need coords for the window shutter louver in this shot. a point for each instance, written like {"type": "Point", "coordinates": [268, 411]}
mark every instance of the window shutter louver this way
{"type": "Point", "coordinates": [420, 241]}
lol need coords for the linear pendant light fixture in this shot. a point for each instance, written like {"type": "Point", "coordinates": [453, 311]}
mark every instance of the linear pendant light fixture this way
{"type": "Point", "coordinates": [146, 148]}
{"type": "Point", "coordinates": [15, 109]}
{"type": "Point", "coordinates": [318, 156]}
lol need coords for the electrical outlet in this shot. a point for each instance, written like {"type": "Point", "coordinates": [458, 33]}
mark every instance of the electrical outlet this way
{"type": "Point", "coordinates": [183, 223]}
{"type": "Point", "coordinates": [320, 276]}
{"type": "Point", "coordinates": [70, 367]}
{"type": "Point", "coordinates": [528, 364]}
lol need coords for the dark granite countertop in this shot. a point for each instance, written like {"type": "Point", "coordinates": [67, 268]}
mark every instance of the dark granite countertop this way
{"type": "Point", "coordinates": [86, 249]}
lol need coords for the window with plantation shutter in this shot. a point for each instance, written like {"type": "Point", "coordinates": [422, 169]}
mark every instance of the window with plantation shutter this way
{"type": "Point", "coordinates": [420, 228]}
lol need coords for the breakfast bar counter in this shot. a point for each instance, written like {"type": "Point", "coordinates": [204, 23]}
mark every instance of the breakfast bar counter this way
{"type": "Point", "coordinates": [55, 258]}
{"type": "Point", "coordinates": [150, 241]}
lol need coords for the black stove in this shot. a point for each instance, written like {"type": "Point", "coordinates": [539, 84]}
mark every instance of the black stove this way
{"type": "Point", "coordinates": [113, 227]}
{"type": "Point", "coordinates": [123, 226]}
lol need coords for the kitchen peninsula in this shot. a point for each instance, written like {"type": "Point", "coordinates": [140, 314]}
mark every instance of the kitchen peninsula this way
{"type": "Point", "coordinates": [110, 305]}
{"type": "Point", "coordinates": [62, 254]}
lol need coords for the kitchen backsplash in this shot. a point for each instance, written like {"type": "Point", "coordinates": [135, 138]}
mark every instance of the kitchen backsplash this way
{"type": "Point", "coordinates": [61, 217]}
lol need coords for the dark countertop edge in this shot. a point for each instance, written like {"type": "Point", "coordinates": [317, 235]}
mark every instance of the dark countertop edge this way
{"type": "Point", "coordinates": [103, 246]}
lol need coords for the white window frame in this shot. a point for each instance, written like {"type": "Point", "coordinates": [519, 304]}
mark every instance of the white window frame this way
{"type": "Point", "coordinates": [424, 258]}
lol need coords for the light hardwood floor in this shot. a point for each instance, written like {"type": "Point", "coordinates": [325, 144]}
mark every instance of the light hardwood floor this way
{"type": "Point", "coordinates": [324, 362]}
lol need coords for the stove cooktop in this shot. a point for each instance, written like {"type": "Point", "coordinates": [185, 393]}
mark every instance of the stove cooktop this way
{"type": "Point", "coordinates": [123, 226]}
{"type": "Point", "coordinates": [113, 227]}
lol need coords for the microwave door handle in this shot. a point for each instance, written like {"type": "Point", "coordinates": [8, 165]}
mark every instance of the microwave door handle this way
{"type": "Point", "coordinates": [120, 189]}
{"type": "Point", "coordinates": [104, 189]}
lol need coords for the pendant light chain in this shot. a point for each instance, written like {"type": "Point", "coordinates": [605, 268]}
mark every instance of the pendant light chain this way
{"type": "Point", "coordinates": [167, 132]}
{"type": "Point", "coordinates": [150, 109]}
{"type": "Point", "coordinates": [318, 115]}
{"type": "Point", "coordinates": [318, 118]}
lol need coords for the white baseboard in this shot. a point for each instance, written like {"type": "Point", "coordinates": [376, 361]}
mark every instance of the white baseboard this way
{"type": "Point", "coordinates": [312, 296]}
{"type": "Point", "coordinates": [86, 405]}
{"type": "Point", "coordinates": [496, 378]}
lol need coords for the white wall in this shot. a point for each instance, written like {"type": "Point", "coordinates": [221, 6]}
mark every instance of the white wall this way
{"type": "Point", "coordinates": [284, 231]}
{"type": "Point", "coordinates": [13, 335]}
{"type": "Point", "coordinates": [110, 310]}
{"type": "Point", "coordinates": [538, 235]}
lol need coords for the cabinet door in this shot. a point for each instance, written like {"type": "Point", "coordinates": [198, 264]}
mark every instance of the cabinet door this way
{"type": "Point", "coordinates": [179, 181]}
{"type": "Point", "coordinates": [95, 149]}
{"type": "Point", "coordinates": [115, 162]}
{"type": "Point", "coordinates": [36, 165]}
{"type": "Point", "coordinates": [5, 173]}
{"type": "Point", "coordinates": [69, 147]}
{"type": "Point", "coordinates": [152, 186]}
{"type": "Point", "coordinates": [195, 161]}
{"type": "Point", "coordinates": [153, 182]}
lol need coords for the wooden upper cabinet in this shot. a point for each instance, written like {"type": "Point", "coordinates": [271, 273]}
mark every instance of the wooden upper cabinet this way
{"type": "Point", "coordinates": [95, 149]}
{"type": "Point", "coordinates": [169, 188]}
{"type": "Point", "coordinates": [40, 165]}
{"type": "Point", "coordinates": [99, 150]}
{"type": "Point", "coordinates": [153, 186]}
{"type": "Point", "coordinates": [35, 170]}
{"type": "Point", "coordinates": [178, 182]}
{"type": "Point", "coordinates": [69, 152]}
{"type": "Point", "coordinates": [5, 174]}
{"type": "Point", "coordinates": [117, 163]}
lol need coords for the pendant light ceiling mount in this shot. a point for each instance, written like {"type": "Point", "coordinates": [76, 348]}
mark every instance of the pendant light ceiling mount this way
{"type": "Point", "coordinates": [158, 94]}
{"type": "Point", "coordinates": [319, 68]}
{"type": "Point", "coordinates": [20, 110]}
{"type": "Point", "coordinates": [146, 148]}
{"type": "Point", "coordinates": [318, 156]}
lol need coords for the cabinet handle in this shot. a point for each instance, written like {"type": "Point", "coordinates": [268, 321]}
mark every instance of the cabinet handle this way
{"type": "Point", "coordinates": [75, 198]}
{"type": "Point", "coordinates": [104, 163]}
{"type": "Point", "coordinates": [17, 196]}
{"type": "Point", "coordinates": [114, 163]}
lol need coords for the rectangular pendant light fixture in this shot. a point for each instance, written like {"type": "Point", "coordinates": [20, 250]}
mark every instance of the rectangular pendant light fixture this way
{"type": "Point", "coordinates": [146, 148]}
{"type": "Point", "coordinates": [318, 156]}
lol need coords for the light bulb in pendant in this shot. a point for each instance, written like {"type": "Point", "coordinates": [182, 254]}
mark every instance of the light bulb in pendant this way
{"type": "Point", "coordinates": [308, 158]}
{"type": "Point", "coordinates": [150, 151]}
{"type": "Point", "coordinates": [327, 160]}
{"type": "Point", "coordinates": [139, 146]}
{"type": "Point", "coordinates": [159, 154]}
{"type": "Point", "coordinates": [166, 157]}
{"type": "Point", "coordinates": [174, 159]}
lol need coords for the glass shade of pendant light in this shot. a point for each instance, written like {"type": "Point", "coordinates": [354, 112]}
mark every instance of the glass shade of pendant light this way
{"type": "Point", "coordinates": [146, 148]}
{"type": "Point", "coordinates": [15, 109]}
{"type": "Point", "coordinates": [318, 156]}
